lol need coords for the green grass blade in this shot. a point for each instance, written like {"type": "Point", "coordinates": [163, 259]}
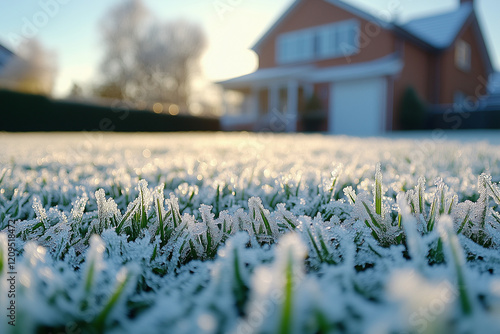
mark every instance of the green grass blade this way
{"type": "Point", "coordinates": [159, 216]}
{"type": "Point", "coordinates": [240, 289]}
{"type": "Point", "coordinates": [372, 217]}
{"type": "Point", "coordinates": [125, 218]}
{"type": "Point", "coordinates": [123, 278]}
{"type": "Point", "coordinates": [144, 217]}
{"type": "Point", "coordinates": [433, 213]}
{"type": "Point", "coordinates": [315, 246]}
{"type": "Point", "coordinates": [269, 231]}
{"type": "Point", "coordinates": [287, 315]}
{"type": "Point", "coordinates": [420, 195]}
{"type": "Point", "coordinates": [466, 219]}
{"type": "Point", "coordinates": [457, 259]}
{"type": "Point", "coordinates": [378, 191]}
{"type": "Point", "coordinates": [4, 172]}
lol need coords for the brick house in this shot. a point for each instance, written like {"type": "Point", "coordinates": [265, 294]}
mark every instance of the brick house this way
{"type": "Point", "coordinates": [357, 67]}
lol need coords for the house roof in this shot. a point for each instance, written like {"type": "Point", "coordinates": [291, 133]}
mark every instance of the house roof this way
{"type": "Point", "coordinates": [383, 66]}
{"type": "Point", "coordinates": [440, 31]}
{"type": "Point", "coordinates": [266, 74]}
{"type": "Point", "coordinates": [360, 13]}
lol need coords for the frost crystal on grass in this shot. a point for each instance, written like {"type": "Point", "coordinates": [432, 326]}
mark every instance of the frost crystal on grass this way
{"type": "Point", "coordinates": [249, 233]}
{"type": "Point", "coordinates": [40, 212]}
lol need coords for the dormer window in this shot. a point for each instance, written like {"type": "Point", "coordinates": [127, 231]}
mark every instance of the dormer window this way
{"type": "Point", "coordinates": [328, 41]}
{"type": "Point", "coordinates": [337, 40]}
{"type": "Point", "coordinates": [296, 46]}
{"type": "Point", "coordinates": [463, 55]}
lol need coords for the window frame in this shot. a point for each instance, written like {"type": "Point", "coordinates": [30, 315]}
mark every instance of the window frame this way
{"type": "Point", "coordinates": [463, 55]}
{"type": "Point", "coordinates": [317, 43]}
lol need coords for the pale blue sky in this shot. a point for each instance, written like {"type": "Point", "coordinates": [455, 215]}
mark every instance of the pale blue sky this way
{"type": "Point", "coordinates": [73, 32]}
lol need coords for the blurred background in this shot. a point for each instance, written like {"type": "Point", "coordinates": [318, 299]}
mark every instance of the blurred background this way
{"type": "Point", "coordinates": [165, 58]}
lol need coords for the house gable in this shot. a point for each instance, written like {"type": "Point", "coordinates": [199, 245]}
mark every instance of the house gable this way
{"type": "Point", "coordinates": [439, 31]}
{"type": "Point", "coordinates": [470, 82]}
{"type": "Point", "coordinates": [481, 45]}
{"type": "Point", "coordinates": [375, 41]}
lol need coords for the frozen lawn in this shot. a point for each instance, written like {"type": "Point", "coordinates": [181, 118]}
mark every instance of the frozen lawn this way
{"type": "Point", "coordinates": [250, 233]}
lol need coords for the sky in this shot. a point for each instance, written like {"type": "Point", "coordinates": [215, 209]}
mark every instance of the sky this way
{"type": "Point", "coordinates": [71, 29]}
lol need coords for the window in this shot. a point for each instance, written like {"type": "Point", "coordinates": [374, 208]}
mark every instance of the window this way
{"type": "Point", "coordinates": [347, 38]}
{"type": "Point", "coordinates": [328, 41]}
{"type": "Point", "coordinates": [296, 46]}
{"type": "Point", "coordinates": [463, 55]}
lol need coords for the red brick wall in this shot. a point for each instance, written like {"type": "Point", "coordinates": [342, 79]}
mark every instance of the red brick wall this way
{"type": "Point", "coordinates": [453, 79]}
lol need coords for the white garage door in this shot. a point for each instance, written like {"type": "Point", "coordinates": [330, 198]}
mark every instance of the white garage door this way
{"type": "Point", "coordinates": [357, 107]}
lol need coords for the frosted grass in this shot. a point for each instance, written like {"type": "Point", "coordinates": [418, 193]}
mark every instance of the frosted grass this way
{"type": "Point", "coordinates": [241, 233]}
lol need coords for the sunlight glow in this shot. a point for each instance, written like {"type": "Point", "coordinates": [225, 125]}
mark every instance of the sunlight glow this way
{"type": "Point", "coordinates": [173, 110]}
{"type": "Point", "coordinates": [158, 108]}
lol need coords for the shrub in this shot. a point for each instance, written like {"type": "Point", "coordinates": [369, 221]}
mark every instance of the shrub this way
{"type": "Point", "coordinates": [413, 110]}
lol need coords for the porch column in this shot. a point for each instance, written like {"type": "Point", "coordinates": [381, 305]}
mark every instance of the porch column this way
{"type": "Point", "coordinates": [225, 105]}
{"type": "Point", "coordinates": [274, 98]}
{"type": "Point", "coordinates": [292, 112]}
{"type": "Point", "coordinates": [253, 102]}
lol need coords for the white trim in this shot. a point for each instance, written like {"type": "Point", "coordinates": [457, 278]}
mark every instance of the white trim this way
{"type": "Point", "coordinates": [254, 102]}
{"type": "Point", "coordinates": [292, 96]}
{"type": "Point", "coordinates": [273, 97]}
{"type": "Point", "coordinates": [389, 117]}
{"type": "Point", "coordinates": [225, 106]}
{"type": "Point", "coordinates": [263, 77]}
{"type": "Point", "coordinates": [331, 109]}
{"type": "Point", "coordinates": [383, 102]}
{"type": "Point", "coordinates": [389, 65]}
{"type": "Point", "coordinates": [384, 66]}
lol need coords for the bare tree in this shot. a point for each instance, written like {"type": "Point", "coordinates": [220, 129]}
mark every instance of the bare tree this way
{"type": "Point", "coordinates": [121, 31]}
{"type": "Point", "coordinates": [33, 70]}
{"type": "Point", "coordinates": [147, 60]}
{"type": "Point", "coordinates": [76, 92]}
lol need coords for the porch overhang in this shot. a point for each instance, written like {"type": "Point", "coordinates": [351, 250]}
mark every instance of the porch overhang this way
{"type": "Point", "coordinates": [386, 66]}
{"type": "Point", "coordinates": [263, 77]}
